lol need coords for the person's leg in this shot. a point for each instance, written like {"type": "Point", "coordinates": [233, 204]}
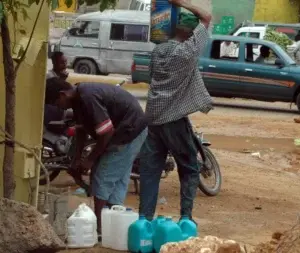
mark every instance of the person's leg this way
{"type": "Point", "coordinates": [152, 161]}
{"type": "Point", "coordinates": [129, 154]}
{"type": "Point", "coordinates": [178, 137]}
{"type": "Point", "coordinates": [114, 164]}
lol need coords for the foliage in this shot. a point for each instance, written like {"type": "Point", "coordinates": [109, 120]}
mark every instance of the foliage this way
{"type": "Point", "coordinates": [16, 8]}
{"type": "Point", "coordinates": [277, 37]}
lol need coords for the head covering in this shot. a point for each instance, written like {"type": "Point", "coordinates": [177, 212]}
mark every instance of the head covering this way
{"type": "Point", "coordinates": [188, 20]}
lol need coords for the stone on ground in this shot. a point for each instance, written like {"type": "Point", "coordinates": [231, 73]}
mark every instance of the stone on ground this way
{"type": "Point", "coordinates": [208, 244]}
{"type": "Point", "coordinates": [23, 229]}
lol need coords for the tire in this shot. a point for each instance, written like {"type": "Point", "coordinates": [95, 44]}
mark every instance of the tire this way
{"type": "Point", "coordinates": [215, 168]}
{"type": "Point", "coordinates": [298, 101]}
{"type": "Point", "coordinates": [53, 174]}
{"type": "Point", "coordinates": [85, 66]}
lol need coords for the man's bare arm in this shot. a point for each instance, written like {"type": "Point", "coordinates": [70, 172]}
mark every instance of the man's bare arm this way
{"type": "Point", "coordinates": [203, 15]}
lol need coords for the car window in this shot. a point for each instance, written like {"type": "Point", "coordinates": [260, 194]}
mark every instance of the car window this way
{"type": "Point", "coordinates": [254, 35]}
{"type": "Point", "coordinates": [260, 54]}
{"type": "Point", "coordinates": [85, 29]}
{"type": "Point", "coordinates": [142, 7]}
{"type": "Point", "coordinates": [138, 33]}
{"type": "Point", "coordinates": [133, 5]}
{"type": "Point", "coordinates": [242, 34]}
{"type": "Point", "coordinates": [225, 50]}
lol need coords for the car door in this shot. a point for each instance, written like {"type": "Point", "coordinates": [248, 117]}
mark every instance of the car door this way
{"type": "Point", "coordinates": [221, 73]}
{"type": "Point", "coordinates": [82, 41]}
{"type": "Point", "coordinates": [126, 40]}
{"type": "Point", "coordinates": [266, 80]}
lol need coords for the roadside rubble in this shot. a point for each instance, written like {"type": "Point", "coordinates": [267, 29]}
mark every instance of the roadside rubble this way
{"type": "Point", "coordinates": [23, 229]}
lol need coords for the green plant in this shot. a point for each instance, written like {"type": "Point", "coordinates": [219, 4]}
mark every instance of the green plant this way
{"type": "Point", "coordinates": [277, 37]}
{"type": "Point", "coordinates": [15, 8]}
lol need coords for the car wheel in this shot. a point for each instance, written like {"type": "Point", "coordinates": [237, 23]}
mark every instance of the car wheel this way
{"type": "Point", "coordinates": [298, 101]}
{"type": "Point", "coordinates": [85, 66]}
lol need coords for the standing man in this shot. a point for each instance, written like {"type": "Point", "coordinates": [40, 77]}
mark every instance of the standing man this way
{"type": "Point", "coordinates": [59, 66]}
{"type": "Point", "coordinates": [115, 119]}
{"type": "Point", "coordinates": [176, 90]}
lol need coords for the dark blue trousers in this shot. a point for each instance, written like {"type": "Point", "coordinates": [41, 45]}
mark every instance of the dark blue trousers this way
{"type": "Point", "coordinates": [176, 137]}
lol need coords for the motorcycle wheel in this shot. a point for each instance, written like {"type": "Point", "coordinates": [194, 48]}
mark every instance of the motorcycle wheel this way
{"type": "Point", "coordinates": [212, 174]}
{"type": "Point", "coordinates": [47, 156]}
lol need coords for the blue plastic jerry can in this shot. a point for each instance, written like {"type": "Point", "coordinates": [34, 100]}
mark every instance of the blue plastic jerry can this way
{"type": "Point", "coordinates": [140, 236]}
{"type": "Point", "coordinates": [168, 231]}
{"type": "Point", "coordinates": [159, 219]}
{"type": "Point", "coordinates": [188, 228]}
{"type": "Point", "coordinates": [164, 18]}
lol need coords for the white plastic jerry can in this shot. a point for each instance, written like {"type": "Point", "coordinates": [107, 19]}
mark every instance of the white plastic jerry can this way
{"type": "Point", "coordinates": [106, 226]}
{"type": "Point", "coordinates": [82, 228]}
{"type": "Point", "coordinates": [120, 224]}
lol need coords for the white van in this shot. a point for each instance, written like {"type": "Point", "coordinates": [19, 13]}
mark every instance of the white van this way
{"type": "Point", "coordinates": [140, 5]}
{"type": "Point", "coordinates": [104, 42]}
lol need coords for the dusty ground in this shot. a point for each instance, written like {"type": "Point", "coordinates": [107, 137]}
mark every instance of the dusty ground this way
{"type": "Point", "coordinates": [259, 195]}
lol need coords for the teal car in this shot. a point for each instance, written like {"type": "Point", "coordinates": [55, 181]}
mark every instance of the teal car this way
{"type": "Point", "coordinates": [231, 68]}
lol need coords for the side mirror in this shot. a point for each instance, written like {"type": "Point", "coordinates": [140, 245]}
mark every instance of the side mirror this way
{"type": "Point", "coordinates": [279, 63]}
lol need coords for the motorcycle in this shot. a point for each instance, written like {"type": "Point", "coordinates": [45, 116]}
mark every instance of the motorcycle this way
{"type": "Point", "coordinates": [58, 155]}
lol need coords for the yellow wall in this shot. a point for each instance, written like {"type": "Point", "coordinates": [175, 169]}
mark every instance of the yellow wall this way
{"type": "Point", "coordinates": [30, 89]}
{"type": "Point", "coordinates": [277, 11]}
{"type": "Point", "coordinates": [62, 6]}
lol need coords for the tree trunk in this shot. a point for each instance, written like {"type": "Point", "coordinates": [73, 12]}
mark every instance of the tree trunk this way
{"type": "Point", "coordinates": [10, 97]}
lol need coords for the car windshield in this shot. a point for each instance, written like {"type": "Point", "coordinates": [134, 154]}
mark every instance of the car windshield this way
{"type": "Point", "coordinates": [285, 56]}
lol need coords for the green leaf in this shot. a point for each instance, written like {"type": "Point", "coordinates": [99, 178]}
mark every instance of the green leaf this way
{"type": "Point", "coordinates": [68, 3]}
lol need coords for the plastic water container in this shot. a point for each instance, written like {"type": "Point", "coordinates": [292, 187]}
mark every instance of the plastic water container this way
{"type": "Point", "coordinates": [159, 219]}
{"type": "Point", "coordinates": [164, 18]}
{"type": "Point", "coordinates": [120, 223]}
{"type": "Point", "coordinates": [106, 233]}
{"type": "Point", "coordinates": [82, 228]}
{"type": "Point", "coordinates": [168, 231]}
{"type": "Point", "coordinates": [188, 228]}
{"type": "Point", "coordinates": [140, 236]}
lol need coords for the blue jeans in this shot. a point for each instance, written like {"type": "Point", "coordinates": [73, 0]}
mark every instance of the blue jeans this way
{"type": "Point", "coordinates": [111, 176]}
{"type": "Point", "coordinates": [178, 138]}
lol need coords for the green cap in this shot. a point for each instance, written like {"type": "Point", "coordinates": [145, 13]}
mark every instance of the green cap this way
{"type": "Point", "coordinates": [188, 20]}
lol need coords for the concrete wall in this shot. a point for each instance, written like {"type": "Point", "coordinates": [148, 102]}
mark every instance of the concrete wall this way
{"type": "Point", "coordinates": [279, 11]}
{"type": "Point", "coordinates": [30, 91]}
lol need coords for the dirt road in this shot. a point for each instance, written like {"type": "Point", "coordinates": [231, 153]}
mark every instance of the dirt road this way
{"type": "Point", "coordinates": [259, 195]}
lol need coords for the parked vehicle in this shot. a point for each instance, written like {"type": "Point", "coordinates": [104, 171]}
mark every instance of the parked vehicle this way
{"type": "Point", "coordinates": [104, 42]}
{"type": "Point", "coordinates": [140, 5]}
{"type": "Point", "coordinates": [276, 79]}
{"type": "Point", "coordinates": [55, 162]}
{"type": "Point", "coordinates": [257, 30]}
